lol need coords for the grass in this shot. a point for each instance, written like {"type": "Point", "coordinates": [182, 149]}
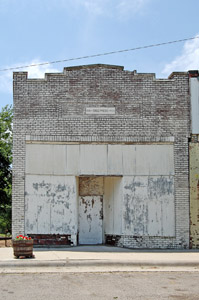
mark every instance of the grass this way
{"type": "Point", "coordinates": [3, 234]}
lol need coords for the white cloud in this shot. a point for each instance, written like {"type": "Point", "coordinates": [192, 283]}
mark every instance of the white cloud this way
{"type": "Point", "coordinates": [39, 71]}
{"type": "Point", "coordinates": [33, 72]}
{"type": "Point", "coordinates": [188, 60]}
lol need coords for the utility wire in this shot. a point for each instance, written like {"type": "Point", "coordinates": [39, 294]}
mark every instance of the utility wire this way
{"type": "Point", "coordinates": [100, 54]}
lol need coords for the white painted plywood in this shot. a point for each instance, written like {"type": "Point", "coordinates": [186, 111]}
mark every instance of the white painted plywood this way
{"type": "Point", "coordinates": [117, 190]}
{"type": "Point", "coordinates": [99, 159]}
{"type": "Point", "coordinates": [154, 160]}
{"type": "Point", "coordinates": [93, 159]}
{"type": "Point", "coordinates": [90, 220]}
{"type": "Point", "coordinates": [59, 159]}
{"type": "Point", "coordinates": [135, 205]}
{"type": "Point", "coordinates": [149, 206]}
{"type": "Point", "coordinates": [44, 212]}
{"type": "Point", "coordinates": [154, 215]}
{"type": "Point", "coordinates": [50, 204]}
{"type": "Point", "coordinates": [31, 209]}
{"type": "Point", "coordinates": [73, 160]}
{"type": "Point", "coordinates": [115, 166]}
{"type": "Point", "coordinates": [160, 192]}
{"type": "Point", "coordinates": [108, 205]}
{"type": "Point", "coordinates": [46, 159]}
{"type": "Point", "coordinates": [168, 217]}
{"type": "Point", "coordinates": [113, 205]}
{"type": "Point", "coordinates": [129, 159]}
{"type": "Point", "coordinates": [39, 159]}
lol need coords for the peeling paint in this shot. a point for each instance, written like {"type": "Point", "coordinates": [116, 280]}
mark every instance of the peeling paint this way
{"type": "Point", "coordinates": [133, 185]}
{"type": "Point", "coordinates": [137, 205]}
{"type": "Point", "coordinates": [52, 202]}
{"type": "Point", "coordinates": [149, 206]}
{"type": "Point", "coordinates": [60, 188]}
{"type": "Point", "coordinates": [90, 219]}
{"type": "Point", "coordinates": [52, 239]}
{"type": "Point", "coordinates": [160, 186]}
{"type": "Point", "coordinates": [93, 202]}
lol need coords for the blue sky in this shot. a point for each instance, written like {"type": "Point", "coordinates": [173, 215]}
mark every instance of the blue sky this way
{"type": "Point", "coordinates": [34, 31]}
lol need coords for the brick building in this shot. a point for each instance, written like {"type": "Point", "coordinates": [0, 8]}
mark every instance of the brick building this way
{"type": "Point", "coordinates": [101, 155]}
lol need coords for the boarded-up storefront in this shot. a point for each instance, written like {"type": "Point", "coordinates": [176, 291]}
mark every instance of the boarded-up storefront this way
{"type": "Point", "coordinates": [101, 156]}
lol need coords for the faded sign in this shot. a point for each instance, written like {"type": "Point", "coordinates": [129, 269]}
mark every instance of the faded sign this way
{"type": "Point", "coordinates": [100, 110]}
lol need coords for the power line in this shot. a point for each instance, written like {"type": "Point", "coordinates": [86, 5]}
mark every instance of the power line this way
{"type": "Point", "coordinates": [100, 54]}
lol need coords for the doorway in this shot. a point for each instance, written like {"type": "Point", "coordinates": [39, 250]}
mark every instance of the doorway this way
{"type": "Point", "coordinates": [90, 210]}
{"type": "Point", "coordinates": [90, 220]}
{"type": "Point", "coordinates": [100, 208]}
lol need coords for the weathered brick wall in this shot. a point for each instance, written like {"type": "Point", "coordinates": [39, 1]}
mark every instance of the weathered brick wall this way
{"type": "Point", "coordinates": [147, 110]}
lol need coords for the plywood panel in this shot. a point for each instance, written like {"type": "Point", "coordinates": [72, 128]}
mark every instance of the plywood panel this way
{"type": "Point", "coordinates": [46, 159]}
{"type": "Point", "coordinates": [44, 210]}
{"type": "Point", "coordinates": [117, 191]}
{"type": "Point", "coordinates": [93, 159]}
{"type": "Point", "coordinates": [90, 219]}
{"type": "Point", "coordinates": [99, 159]}
{"type": "Point", "coordinates": [108, 205]}
{"type": "Point", "coordinates": [73, 160]}
{"type": "Point", "coordinates": [168, 218]}
{"type": "Point", "coordinates": [135, 205]}
{"type": "Point", "coordinates": [129, 159]}
{"type": "Point", "coordinates": [113, 205]}
{"type": "Point", "coordinates": [31, 205]}
{"type": "Point", "coordinates": [59, 159]}
{"type": "Point", "coordinates": [39, 159]}
{"type": "Point", "coordinates": [149, 206]}
{"type": "Point", "coordinates": [154, 160]}
{"type": "Point", "coordinates": [115, 166]}
{"type": "Point", "coordinates": [55, 200]}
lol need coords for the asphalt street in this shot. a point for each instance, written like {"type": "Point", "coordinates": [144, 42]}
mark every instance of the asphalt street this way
{"type": "Point", "coordinates": [117, 285]}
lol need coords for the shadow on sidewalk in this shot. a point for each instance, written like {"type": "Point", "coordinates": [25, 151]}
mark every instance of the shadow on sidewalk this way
{"type": "Point", "coordinates": [111, 249]}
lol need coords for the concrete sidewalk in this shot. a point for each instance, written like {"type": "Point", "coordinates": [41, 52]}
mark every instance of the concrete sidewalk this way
{"type": "Point", "coordinates": [97, 258]}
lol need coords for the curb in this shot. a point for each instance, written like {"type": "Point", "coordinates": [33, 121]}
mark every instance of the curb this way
{"type": "Point", "coordinates": [97, 263]}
